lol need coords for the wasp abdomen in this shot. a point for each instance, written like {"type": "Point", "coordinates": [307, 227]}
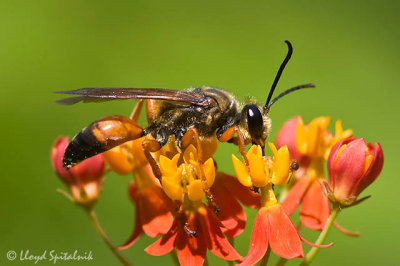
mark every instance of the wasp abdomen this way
{"type": "Point", "coordinates": [100, 136]}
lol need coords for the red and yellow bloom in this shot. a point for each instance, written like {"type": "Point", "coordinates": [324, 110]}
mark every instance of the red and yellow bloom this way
{"type": "Point", "coordinates": [352, 166]}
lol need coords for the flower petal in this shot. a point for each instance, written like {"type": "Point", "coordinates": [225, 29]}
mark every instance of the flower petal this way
{"type": "Point", "coordinates": [209, 171]}
{"type": "Point", "coordinates": [165, 244]}
{"type": "Point", "coordinates": [215, 239]}
{"type": "Point", "coordinates": [283, 236]}
{"type": "Point", "coordinates": [242, 193]}
{"type": "Point", "coordinates": [155, 211]}
{"type": "Point", "coordinates": [295, 195]}
{"type": "Point", "coordinates": [231, 215]}
{"type": "Point", "coordinates": [314, 210]}
{"type": "Point", "coordinates": [242, 172]}
{"type": "Point", "coordinates": [195, 190]}
{"type": "Point", "coordinates": [191, 250]}
{"type": "Point", "coordinates": [259, 239]}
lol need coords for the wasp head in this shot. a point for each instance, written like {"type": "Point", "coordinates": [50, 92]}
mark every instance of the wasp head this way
{"type": "Point", "coordinates": [255, 124]}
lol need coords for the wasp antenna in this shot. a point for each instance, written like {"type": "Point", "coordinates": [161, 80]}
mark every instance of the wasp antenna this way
{"type": "Point", "coordinates": [278, 75]}
{"type": "Point", "coordinates": [309, 85]}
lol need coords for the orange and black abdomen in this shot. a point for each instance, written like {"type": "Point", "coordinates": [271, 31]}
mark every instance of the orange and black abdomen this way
{"type": "Point", "coordinates": [100, 136]}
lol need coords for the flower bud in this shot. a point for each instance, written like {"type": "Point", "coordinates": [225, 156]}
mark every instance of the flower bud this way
{"type": "Point", "coordinates": [83, 180]}
{"type": "Point", "coordinates": [352, 166]}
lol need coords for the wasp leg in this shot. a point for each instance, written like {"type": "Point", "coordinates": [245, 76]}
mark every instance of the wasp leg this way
{"type": "Point", "coordinates": [136, 111]}
{"type": "Point", "coordinates": [100, 136]}
{"type": "Point", "coordinates": [228, 136]}
{"type": "Point", "coordinates": [151, 145]}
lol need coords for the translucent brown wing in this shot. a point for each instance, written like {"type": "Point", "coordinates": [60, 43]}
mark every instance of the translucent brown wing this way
{"type": "Point", "coordinates": [191, 96]}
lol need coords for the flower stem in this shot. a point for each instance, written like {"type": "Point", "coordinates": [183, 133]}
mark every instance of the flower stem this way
{"type": "Point", "coordinates": [314, 250]}
{"type": "Point", "coordinates": [100, 231]}
{"type": "Point", "coordinates": [264, 260]}
{"type": "Point", "coordinates": [174, 258]}
{"type": "Point", "coordinates": [281, 262]}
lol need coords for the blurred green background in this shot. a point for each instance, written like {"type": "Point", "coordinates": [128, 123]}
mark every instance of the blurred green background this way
{"type": "Point", "coordinates": [348, 48]}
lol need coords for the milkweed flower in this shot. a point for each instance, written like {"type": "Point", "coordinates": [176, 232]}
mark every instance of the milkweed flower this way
{"type": "Point", "coordinates": [352, 166]}
{"type": "Point", "coordinates": [272, 226]}
{"type": "Point", "coordinates": [196, 228]}
{"type": "Point", "coordinates": [309, 144]}
{"type": "Point", "coordinates": [83, 180]}
{"type": "Point", "coordinates": [153, 209]}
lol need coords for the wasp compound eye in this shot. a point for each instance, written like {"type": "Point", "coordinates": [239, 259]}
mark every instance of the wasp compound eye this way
{"type": "Point", "coordinates": [254, 119]}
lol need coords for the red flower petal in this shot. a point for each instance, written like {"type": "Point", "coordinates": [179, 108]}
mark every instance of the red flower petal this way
{"type": "Point", "coordinates": [374, 169]}
{"type": "Point", "coordinates": [137, 231]}
{"type": "Point", "coordinates": [243, 194]}
{"type": "Point", "coordinates": [295, 195]}
{"type": "Point", "coordinates": [232, 215]}
{"type": "Point", "coordinates": [287, 136]}
{"type": "Point", "coordinates": [283, 236]}
{"type": "Point", "coordinates": [165, 244]}
{"type": "Point", "coordinates": [258, 240]}
{"type": "Point", "coordinates": [215, 239]}
{"type": "Point", "coordinates": [348, 168]}
{"type": "Point", "coordinates": [155, 211]}
{"type": "Point", "coordinates": [314, 210]}
{"type": "Point", "coordinates": [191, 250]}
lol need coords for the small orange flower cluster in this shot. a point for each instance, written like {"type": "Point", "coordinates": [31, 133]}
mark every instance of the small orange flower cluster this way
{"type": "Point", "coordinates": [195, 207]}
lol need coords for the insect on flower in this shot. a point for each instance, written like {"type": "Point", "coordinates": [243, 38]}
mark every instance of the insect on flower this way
{"type": "Point", "coordinates": [201, 113]}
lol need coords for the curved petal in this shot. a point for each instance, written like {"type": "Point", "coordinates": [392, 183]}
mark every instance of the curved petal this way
{"type": "Point", "coordinates": [258, 240]}
{"type": "Point", "coordinates": [242, 193]}
{"type": "Point", "coordinates": [348, 168]}
{"type": "Point", "coordinates": [242, 173]}
{"type": "Point", "coordinates": [374, 169]}
{"type": "Point", "coordinates": [191, 250]}
{"type": "Point", "coordinates": [165, 244]}
{"type": "Point", "coordinates": [155, 211]}
{"type": "Point", "coordinates": [283, 236]}
{"type": "Point", "coordinates": [314, 210]}
{"type": "Point", "coordinates": [295, 195]}
{"type": "Point", "coordinates": [231, 215]}
{"type": "Point", "coordinates": [215, 239]}
{"type": "Point", "coordinates": [137, 231]}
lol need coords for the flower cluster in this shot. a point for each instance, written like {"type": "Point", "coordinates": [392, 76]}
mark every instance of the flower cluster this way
{"type": "Point", "coordinates": [181, 197]}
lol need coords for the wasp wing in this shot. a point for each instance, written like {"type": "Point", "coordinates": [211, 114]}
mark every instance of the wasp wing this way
{"type": "Point", "coordinates": [191, 96]}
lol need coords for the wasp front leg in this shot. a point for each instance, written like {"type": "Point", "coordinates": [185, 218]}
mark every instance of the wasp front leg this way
{"type": "Point", "coordinates": [228, 135]}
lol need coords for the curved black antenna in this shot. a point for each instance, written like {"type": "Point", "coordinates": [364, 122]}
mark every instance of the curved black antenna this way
{"type": "Point", "coordinates": [278, 75]}
{"type": "Point", "coordinates": [309, 85]}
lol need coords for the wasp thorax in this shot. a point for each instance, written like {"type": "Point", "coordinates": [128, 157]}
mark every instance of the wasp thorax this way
{"type": "Point", "coordinates": [254, 120]}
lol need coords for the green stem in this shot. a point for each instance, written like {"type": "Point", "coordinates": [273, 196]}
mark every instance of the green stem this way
{"type": "Point", "coordinates": [174, 258]}
{"type": "Point", "coordinates": [281, 262]}
{"type": "Point", "coordinates": [100, 231]}
{"type": "Point", "coordinates": [264, 260]}
{"type": "Point", "coordinates": [314, 250]}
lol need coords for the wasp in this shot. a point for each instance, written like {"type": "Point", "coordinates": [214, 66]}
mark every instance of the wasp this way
{"type": "Point", "coordinates": [198, 113]}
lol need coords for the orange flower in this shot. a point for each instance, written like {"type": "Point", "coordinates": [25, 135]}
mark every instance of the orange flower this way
{"type": "Point", "coordinates": [153, 209]}
{"type": "Point", "coordinates": [195, 230]}
{"type": "Point", "coordinates": [83, 180]}
{"type": "Point", "coordinates": [191, 177]}
{"type": "Point", "coordinates": [309, 144]}
{"type": "Point", "coordinates": [272, 226]}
